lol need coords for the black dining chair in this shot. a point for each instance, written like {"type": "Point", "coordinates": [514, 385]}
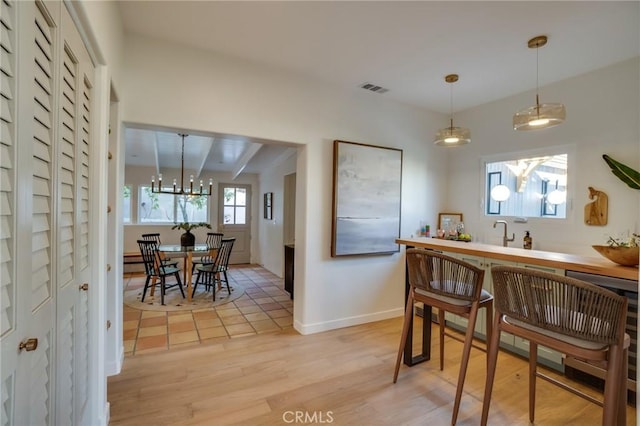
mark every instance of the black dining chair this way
{"type": "Point", "coordinates": [155, 268]}
{"type": "Point", "coordinates": [212, 274]}
{"type": "Point", "coordinates": [155, 236]}
{"type": "Point", "coordinates": [214, 240]}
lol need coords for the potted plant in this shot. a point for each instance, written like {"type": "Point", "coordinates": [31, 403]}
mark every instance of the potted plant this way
{"type": "Point", "coordinates": [188, 239]}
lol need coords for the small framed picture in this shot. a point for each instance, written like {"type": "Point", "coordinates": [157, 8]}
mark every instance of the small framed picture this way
{"type": "Point", "coordinates": [268, 205]}
{"type": "Point", "coordinates": [449, 221]}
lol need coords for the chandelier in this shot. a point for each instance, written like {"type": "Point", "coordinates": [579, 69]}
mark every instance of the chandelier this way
{"type": "Point", "coordinates": [180, 190]}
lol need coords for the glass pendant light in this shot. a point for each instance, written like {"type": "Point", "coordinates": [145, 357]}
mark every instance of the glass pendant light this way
{"type": "Point", "coordinates": [538, 116]}
{"type": "Point", "coordinates": [452, 136]}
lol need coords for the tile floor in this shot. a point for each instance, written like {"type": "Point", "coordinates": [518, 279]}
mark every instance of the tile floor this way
{"type": "Point", "coordinates": [265, 307]}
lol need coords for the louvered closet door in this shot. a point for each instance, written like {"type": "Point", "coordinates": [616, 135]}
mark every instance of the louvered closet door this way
{"type": "Point", "coordinates": [35, 212]}
{"type": "Point", "coordinates": [44, 215]}
{"type": "Point", "coordinates": [9, 336]}
{"type": "Point", "coordinates": [74, 119]}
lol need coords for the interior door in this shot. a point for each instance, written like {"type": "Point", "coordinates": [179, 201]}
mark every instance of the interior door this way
{"type": "Point", "coordinates": [28, 279]}
{"type": "Point", "coordinates": [234, 215]}
{"type": "Point", "coordinates": [43, 215]}
{"type": "Point", "coordinates": [72, 228]}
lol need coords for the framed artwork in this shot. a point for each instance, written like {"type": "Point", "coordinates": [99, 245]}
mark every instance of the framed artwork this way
{"type": "Point", "coordinates": [367, 184]}
{"type": "Point", "coordinates": [449, 221]}
{"type": "Point", "coordinates": [268, 205]}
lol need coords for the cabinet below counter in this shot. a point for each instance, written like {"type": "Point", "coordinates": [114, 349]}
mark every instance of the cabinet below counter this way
{"type": "Point", "coordinates": [570, 262]}
{"type": "Point", "coordinates": [289, 267]}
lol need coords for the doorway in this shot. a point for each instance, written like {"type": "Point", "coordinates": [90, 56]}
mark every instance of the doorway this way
{"type": "Point", "coordinates": [234, 215]}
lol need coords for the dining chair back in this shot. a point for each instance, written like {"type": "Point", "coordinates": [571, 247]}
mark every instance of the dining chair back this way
{"type": "Point", "coordinates": [571, 316]}
{"type": "Point", "coordinates": [155, 236]}
{"type": "Point", "coordinates": [451, 285]}
{"type": "Point", "coordinates": [152, 237]}
{"type": "Point", "coordinates": [214, 274]}
{"type": "Point", "coordinates": [155, 268]}
{"type": "Point", "coordinates": [214, 240]}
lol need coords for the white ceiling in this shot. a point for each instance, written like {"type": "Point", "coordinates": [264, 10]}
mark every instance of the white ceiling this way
{"type": "Point", "coordinates": [406, 47]}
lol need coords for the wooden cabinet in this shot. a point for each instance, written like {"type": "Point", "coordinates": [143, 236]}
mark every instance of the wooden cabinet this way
{"type": "Point", "coordinates": [289, 257]}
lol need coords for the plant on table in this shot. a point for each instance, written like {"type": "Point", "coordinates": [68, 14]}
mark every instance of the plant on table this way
{"type": "Point", "coordinates": [188, 239]}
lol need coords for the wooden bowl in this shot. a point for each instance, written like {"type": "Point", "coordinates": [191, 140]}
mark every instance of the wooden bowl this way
{"type": "Point", "coordinates": [625, 256]}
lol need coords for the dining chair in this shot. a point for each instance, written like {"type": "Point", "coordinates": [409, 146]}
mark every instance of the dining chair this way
{"type": "Point", "coordinates": [450, 285]}
{"type": "Point", "coordinates": [214, 240]}
{"type": "Point", "coordinates": [213, 273]}
{"type": "Point", "coordinates": [155, 268]}
{"type": "Point", "coordinates": [571, 316]}
{"type": "Point", "coordinates": [156, 237]}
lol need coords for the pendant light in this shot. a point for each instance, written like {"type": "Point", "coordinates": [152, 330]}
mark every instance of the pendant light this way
{"type": "Point", "coordinates": [452, 136]}
{"type": "Point", "coordinates": [539, 116]}
{"type": "Point", "coordinates": [180, 189]}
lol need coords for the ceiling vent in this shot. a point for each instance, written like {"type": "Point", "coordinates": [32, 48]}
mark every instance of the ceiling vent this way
{"type": "Point", "coordinates": [373, 88]}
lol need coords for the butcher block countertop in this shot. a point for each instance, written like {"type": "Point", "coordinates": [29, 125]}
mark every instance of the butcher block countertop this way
{"type": "Point", "coordinates": [592, 265]}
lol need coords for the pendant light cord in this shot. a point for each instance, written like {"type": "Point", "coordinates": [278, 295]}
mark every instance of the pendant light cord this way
{"type": "Point", "coordinates": [537, 82]}
{"type": "Point", "coordinates": [451, 107]}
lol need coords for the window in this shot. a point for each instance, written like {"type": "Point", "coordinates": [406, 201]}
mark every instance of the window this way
{"type": "Point", "coordinates": [235, 206]}
{"type": "Point", "coordinates": [126, 204]}
{"type": "Point", "coordinates": [168, 208]}
{"type": "Point", "coordinates": [528, 186]}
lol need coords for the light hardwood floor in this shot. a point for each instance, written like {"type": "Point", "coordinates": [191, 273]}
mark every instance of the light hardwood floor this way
{"type": "Point", "coordinates": [340, 377]}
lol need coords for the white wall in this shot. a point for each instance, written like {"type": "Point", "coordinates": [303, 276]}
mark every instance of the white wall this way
{"type": "Point", "coordinates": [179, 87]}
{"type": "Point", "coordinates": [271, 232]}
{"type": "Point", "coordinates": [602, 118]}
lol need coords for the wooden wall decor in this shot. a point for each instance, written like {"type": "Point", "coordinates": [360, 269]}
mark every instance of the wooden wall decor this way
{"type": "Point", "coordinates": [596, 212]}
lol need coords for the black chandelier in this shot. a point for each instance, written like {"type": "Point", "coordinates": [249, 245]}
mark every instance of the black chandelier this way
{"type": "Point", "coordinates": [180, 190]}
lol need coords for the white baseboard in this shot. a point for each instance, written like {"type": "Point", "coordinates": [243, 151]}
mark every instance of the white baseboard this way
{"type": "Point", "coordinates": [114, 368]}
{"type": "Point", "coordinates": [346, 322]}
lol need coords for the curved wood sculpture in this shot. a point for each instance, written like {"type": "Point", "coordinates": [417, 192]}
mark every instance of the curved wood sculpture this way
{"type": "Point", "coordinates": [596, 212]}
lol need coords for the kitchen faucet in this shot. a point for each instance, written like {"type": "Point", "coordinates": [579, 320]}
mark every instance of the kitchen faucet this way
{"type": "Point", "coordinates": [505, 239]}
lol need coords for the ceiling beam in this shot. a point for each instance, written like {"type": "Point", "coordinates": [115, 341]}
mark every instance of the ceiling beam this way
{"type": "Point", "coordinates": [244, 159]}
{"type": "Point", "coordinates": [156, 154]}
{"type": "Point", "coordinates": [205, 155]}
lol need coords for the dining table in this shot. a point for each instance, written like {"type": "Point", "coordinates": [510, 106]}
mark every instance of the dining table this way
{"type": "Point", "coordinates": [187, 253]}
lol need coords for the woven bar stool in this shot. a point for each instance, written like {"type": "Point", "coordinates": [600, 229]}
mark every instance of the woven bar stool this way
{"type": "Point", "coordinates": [451, 285]}
{"type": "Point", "coordinates": [570, 316]}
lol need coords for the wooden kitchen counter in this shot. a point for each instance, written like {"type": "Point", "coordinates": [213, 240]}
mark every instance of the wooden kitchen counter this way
{"type": "Point", "coordinates": [572, 262]}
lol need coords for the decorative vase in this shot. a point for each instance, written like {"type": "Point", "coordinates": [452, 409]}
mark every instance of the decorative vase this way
{"type": "Point", "coordinates": [187, 239]}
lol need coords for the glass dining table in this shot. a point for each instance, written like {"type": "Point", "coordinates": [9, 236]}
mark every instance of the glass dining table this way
{"type": "Point", "coordinates": [187, 253]}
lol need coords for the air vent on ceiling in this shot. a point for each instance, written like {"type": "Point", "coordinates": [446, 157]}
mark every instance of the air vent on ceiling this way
{"type": "Point", "coordinates": [373, 88]}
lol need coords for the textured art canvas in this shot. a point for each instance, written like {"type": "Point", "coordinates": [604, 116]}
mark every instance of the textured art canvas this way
{"type": "Point", "coordinates": [367, 183]}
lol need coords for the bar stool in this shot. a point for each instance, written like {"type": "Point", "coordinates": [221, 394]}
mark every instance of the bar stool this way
{"type": "Point", "coordinates": [568, 315]}
{"type": "Point", "coordinates": [451, 285]}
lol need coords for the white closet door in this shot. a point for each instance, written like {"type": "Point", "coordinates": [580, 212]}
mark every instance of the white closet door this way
{"type": "Point", "coordinates": [74, 82]}
{"type": "Point", "coordinates": [44, 215]}
{"type": "Point", "coordinates": [8, 175]}
{"type": "Point", "coordinates": [35, 213]}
